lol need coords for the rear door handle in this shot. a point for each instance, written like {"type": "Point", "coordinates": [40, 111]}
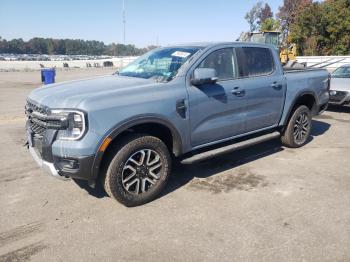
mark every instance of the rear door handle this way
{"type": "Point", "coordinates": [276, 86]}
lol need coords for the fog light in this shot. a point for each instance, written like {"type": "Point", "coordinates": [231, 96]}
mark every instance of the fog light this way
{"type": "Point", "coordinates": [333, 93]}
{"type": "Point", "coordinates": [69, 164]}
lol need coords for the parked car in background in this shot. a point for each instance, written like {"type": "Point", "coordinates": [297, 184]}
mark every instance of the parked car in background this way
{"type": "Point", "coordinates": [340, 86]}
{"type": "Point", "coordinates": [190, 102]}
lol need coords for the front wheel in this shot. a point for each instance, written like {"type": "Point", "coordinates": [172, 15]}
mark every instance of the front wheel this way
{"type": "Point", "coordinates": [298, 129]}
{"type": "Point", "coordinates": [138, 170]}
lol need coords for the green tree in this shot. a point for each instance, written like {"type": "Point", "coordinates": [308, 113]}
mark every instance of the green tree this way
{"type": "Point", "coordinates": [264, 14]}
{"type": "Point", "coordinates": [260, 18]}
{"type": "Point", "coordinates": [270, 24]}
{"type": "Point", "coordinates": [337, 27]}
{"type": "Point", "coordinates": [253, 15]}
{"type": "Point", "coordinates": [68, 47]}
{"type": "Point", "coordinates": [288, 13]}
{"type": "Point", "coordinates": [323, 28]}
{"type": "Point", "coordinates": [17, 46]}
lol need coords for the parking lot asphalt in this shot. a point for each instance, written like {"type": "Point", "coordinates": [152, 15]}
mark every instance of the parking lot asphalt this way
{"type": "Point", "coordinates": [265, 203]}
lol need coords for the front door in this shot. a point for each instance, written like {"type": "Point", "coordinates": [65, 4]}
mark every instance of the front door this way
{"type": "Point", "coordinates": [217, 110]}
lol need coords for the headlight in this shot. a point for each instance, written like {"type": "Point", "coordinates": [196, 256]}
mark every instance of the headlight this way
{"type": "Point", "coordinates": [75, 125]}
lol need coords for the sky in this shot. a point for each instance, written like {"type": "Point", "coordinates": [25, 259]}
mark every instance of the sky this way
{"type": "Point", "coordinates": [148, 22]}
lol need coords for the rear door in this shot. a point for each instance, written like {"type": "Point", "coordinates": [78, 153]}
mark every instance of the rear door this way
{"type": "Point", "coordinates": [264, 86]}
{"type": "Point", "coordinates": [215, 112]}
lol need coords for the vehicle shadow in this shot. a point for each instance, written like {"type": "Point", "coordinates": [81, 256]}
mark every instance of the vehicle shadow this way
{"type": "Point", "coordinates": [98, 191]}
{"type": "Point", "coordinates": [183, 174]}
{"type": "Point", "coordinates": [338, 109]}
{"type": "Point", "coordinates": [319, 128]}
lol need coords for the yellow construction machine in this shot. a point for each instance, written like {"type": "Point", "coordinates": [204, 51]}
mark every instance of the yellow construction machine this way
{"type": "Point", "coordinates": [287, 53]}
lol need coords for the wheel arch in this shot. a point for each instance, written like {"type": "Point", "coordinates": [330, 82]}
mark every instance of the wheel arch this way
{"type": "Point", "coordinates": [152, 125]}
{"type": "Point", "coordinates": [308, 99]}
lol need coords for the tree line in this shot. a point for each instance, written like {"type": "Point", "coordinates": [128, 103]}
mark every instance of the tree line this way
{"type": "Point", "coordinates": [317, 27]}
{"type": "Point", "coordinates": [52, 46]}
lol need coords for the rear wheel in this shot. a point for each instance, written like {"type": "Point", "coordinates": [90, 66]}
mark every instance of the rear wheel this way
{"type": "Point", "coordinates": [138, 170]}
{"type": "Point", "coordinates": [298, 129]}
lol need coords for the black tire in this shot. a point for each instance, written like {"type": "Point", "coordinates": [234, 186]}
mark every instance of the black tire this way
{"type": "Point", "coordinates": [298, 129]}
{"type": "Point", "coordinates": [136, 146]}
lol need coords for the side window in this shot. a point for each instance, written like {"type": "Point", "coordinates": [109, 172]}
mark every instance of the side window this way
{"type": "Point", "coordinates": [254, 61]}
{"type": "Point", "coordinates": [222, 61]}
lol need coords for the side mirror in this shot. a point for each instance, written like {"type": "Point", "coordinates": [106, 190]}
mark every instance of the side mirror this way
{"type": "Point", "coordinates": [202, 76]}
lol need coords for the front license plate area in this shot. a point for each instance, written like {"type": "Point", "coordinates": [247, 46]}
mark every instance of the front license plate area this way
{"type": "Point", "coordinates": [38, 145]}
{"type": "Point", "coordinates": [30, 139]}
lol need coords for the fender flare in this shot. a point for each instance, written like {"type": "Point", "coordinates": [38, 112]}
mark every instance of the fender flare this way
{"type": "Point", "coordinates": [119, 128]}
{"type": "Point", "coordinates": [298, 96]}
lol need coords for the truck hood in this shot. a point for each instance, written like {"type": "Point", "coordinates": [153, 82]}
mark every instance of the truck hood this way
{"type": "Point", "coordinates": [70, 94]}
{"type": "Point", "coordinates": [340, 84]}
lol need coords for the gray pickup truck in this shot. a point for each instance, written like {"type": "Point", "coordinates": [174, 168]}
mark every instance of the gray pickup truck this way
{"type": "Point", "coordinates": [187, 102]}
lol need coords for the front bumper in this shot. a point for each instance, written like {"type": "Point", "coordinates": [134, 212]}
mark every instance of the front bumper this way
{"type": "Point", "coordinates": [339, 97]}
{"type": "Point", "coordinates": [322, 108]}
{"type": "Point", "coordinates": [59, 166]}
{"type": "Point", "coordinates": [48, 167]}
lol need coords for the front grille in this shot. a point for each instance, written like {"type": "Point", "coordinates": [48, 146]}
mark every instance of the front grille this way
{"type": "Point", "coordinates": [338, 97]}
{"type": "Point", "coordinates": [37, 126]}
{"type": "Point", "coordinates": [36, 129]}
{"type": "Point", "coordinates": [39, 119]}
{"type": "Point", "coordinates": [35, 107]}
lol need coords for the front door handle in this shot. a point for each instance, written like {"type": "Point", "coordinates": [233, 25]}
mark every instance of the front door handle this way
{"type": "Point", "coordinates": [238, 93]}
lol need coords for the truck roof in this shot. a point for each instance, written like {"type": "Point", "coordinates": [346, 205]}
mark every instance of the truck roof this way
{"type": "Point", "coordinates": [211, 44]}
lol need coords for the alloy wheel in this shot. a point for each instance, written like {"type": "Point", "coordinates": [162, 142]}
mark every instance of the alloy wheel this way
{"type": "Point", "coordinates": [301, 128]}
{"type": "Point", "coordinates": [141, 171]}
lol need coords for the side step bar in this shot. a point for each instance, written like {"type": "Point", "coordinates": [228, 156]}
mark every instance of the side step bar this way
{"type": "Point", "coordinates": [233, 147]}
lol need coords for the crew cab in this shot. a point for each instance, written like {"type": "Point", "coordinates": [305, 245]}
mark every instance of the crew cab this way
{"type": "Point", "coordinates": [189, 102]}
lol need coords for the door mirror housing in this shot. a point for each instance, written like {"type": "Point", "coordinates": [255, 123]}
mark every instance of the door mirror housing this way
{"type": "Point", "coordinates": [202, 76]}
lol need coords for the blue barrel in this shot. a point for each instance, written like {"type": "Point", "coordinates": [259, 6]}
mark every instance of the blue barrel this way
{"type": "Point", "coordinates": [48, 75]}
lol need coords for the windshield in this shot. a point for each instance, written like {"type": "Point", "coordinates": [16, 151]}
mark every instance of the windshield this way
{"type": "Point", "coordinates": [342, 72]}
{"type": "Point", "coordinates": [159, 64]}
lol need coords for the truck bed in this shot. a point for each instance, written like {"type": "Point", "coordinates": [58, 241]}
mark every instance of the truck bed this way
{"type": "Point", "coordinates": [309, 80]}
{"type": "Point", "coordinates": [287, 70]}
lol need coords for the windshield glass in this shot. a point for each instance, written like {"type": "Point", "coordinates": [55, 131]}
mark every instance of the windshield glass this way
{"type": "Point", "coordinates": [159, 64]}
{"type": "Point", "coordinates": [342, 72]}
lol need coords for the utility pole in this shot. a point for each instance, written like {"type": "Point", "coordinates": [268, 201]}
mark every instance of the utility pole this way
{"type": "Point", "coordinates": [124, 22]}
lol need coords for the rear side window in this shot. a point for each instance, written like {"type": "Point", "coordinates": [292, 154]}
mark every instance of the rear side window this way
{"type": "Point", "coordinates": [222, 61]}
{"type": "Point", "coordinates": [254, 61]}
